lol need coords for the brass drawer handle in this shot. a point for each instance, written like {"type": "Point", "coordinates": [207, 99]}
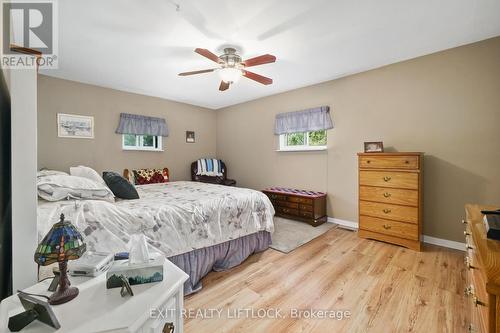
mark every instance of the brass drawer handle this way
{"type": "Point", "coordinates": [387, 194]}
{"type": "Point", "coordinates": [477, 302]}
{"type": "Point", "coordinates": [407, 162]}
{"type": "Point", "coordinates": [466, 233]}
{"type": "Point", "coordinates": [464, 222]}
{"type": "Point", "coordinates": [368, 162]}
{"type": "Point", "coordinates": [471, 328]}
{"type": "Point", "coordinates": [285, 210]}
{"type": "Point", "coordinates": [468, 263]}
{"type": "Point", "coordinates": [468, 291]}
{"type": "Point", "coordinates": [469, 247]}
{"type": "Point", "coordinates": [386, 210]}
{"type": "Point", "coordinates": [387, 226]}
{"type": "Point", "coordinates": [387, 178]}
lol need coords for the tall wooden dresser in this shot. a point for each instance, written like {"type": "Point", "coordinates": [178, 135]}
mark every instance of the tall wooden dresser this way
{"type": "Point", "coordinates": [390, 197]}
{"type": "Point", "coordinates": [482, 259]}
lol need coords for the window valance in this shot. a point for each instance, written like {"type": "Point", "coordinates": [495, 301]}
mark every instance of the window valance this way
{"type": "Point", "coordinates": [141, 125]}
{"type": "Point", "coordinates": [314, 119]}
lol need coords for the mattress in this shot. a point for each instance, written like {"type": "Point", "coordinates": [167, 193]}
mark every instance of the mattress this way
{"type": "Point", "coordinates": [176, 217]}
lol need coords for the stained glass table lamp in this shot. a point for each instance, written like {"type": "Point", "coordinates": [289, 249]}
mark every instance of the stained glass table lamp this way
{"type": "Point", "coordinates": [62, 243]}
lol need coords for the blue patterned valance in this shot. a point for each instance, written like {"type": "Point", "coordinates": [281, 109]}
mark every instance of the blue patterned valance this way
{"type": "Point", "coordinates": [315, 119]}
{"type": "Point", "coordinates": [141, 125]}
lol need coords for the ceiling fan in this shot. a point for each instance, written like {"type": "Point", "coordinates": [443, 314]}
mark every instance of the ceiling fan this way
{"type": "Point", "coordinates": [231, 67]}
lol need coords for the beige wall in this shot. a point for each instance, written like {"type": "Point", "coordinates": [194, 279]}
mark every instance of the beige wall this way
{"type": "Point", "coordinates": [446, 105]}
{"type": "Point", "coordinates": [105, 152]}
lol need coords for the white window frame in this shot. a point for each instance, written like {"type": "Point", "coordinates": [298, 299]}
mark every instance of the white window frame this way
{"type": "Point", "coordinates": [284, 147]}
{"type": "Point", "coordinates": [139, 143]}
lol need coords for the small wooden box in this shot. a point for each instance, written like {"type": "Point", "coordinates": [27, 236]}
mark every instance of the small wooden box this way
{"type": "Point", "coordinates": [301, 205]}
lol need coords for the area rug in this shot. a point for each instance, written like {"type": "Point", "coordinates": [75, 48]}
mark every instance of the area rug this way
{"type": "Point", "coordinates": [289, 235]}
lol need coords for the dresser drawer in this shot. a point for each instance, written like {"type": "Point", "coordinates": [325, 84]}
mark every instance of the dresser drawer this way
{"type": "Point", "coordinates": [285, 204]}
{"type": "Point", "coordinates": [308, 215]}
{"type": "Point", "coordinates": [392, 179]}
{"type": "Point", "coordinates": [301, 200]}
{"type": "Point", "coordinates": [389, 162]}
{"type": "Point", "coordinates": [389, 227]}
{"type": "Point", "coordinates": [287, 211]}
{"type": "Point", "coordinates": [306, 208]}
{"type": "Point", "coordinates": [479, 299]}
{"type": "Point", "coordinates": [389, 195]}
{"type": "Point", "coordinates": [387, 211]}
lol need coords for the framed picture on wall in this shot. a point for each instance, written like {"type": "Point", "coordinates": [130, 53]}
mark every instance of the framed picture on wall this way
{"type": "Point", "coordinates": [190, 137]}
{"type": "Point", "coordinates": [374, 147]}
{"type": "Point", "coordinates": [75, 126]}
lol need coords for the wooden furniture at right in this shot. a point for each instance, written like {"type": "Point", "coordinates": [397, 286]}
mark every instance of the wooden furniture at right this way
{"type": "Point", "coordinates": [482, 260]}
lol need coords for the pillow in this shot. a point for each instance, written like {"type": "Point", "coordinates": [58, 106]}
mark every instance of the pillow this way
{"type": "Point", "coordinates": [120, 186]}
{"type": "Point", "coordinates": [86, 172]}
{"type": "Point", "coordinates": [59, 187]}
{"type": "Point", "coordinates": [150, 176]}
{"type": "Point", "coordinates": [47, 172]}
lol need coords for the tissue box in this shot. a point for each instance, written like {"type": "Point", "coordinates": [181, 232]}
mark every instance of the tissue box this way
{"type": "Point", "coordinates": [135, 273]}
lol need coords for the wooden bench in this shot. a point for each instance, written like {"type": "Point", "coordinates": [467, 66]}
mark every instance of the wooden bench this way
{"type": "Point", "coordinates": [301, 205]}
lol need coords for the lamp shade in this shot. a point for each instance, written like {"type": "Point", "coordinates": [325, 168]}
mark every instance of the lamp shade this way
{"type": "Point", "coordinates": [62, 243]}
{"type": "Point", "coordinates": [230, 74]}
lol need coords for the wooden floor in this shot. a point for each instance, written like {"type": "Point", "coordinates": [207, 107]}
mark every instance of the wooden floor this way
{"type": "Point", "coordinates": [386, 288]}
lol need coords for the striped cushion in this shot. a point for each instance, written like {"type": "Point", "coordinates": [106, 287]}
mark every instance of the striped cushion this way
{"type": "Point", "coordinates": [209, 167]}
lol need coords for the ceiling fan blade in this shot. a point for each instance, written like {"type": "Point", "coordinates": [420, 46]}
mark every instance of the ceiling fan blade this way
{"type": "Point", "coordinates": [207, 54]}
{"type": "Point", "coordinates": [260, 60]}
{"type": "Point", "coordinates": [223, 86]}
{"type": "Point", "coordinates": [197, 72]}
{"type": "Point", "coordinates": [257, 77]}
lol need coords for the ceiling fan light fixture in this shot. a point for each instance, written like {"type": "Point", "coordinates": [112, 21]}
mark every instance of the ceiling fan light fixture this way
{"type": "Point", "coordinates": [230, 75]}
{"type": "Point", "coordinates": [231, 67]}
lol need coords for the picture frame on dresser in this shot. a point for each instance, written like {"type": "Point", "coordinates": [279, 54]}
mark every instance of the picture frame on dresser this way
{"type": "Point", "coordinates": [374, 147]}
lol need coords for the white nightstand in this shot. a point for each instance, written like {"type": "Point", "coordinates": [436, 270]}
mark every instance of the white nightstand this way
{"type": "Point", "coordinates": [97, 309]}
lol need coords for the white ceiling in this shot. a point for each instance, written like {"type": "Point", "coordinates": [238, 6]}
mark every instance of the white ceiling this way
{"type": "Point", "coordinates": [141, 46]}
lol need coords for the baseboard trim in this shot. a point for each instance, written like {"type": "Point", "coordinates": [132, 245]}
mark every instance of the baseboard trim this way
{"type": "Point", "coordinates": [426, 239]}
{"type": "Point", "coordinates": [444, 243]}
{"type": "Point", "coordinates": [344, 223]}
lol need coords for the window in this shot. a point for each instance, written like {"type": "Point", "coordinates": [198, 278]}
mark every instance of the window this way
{"type": "Point", "coordinates": [315, 140]}
{"type": "Point", "coordinates": [141, 142]}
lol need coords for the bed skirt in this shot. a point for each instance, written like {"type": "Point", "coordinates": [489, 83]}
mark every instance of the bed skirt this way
{"type": "Point", "coordinates": [220, 257]}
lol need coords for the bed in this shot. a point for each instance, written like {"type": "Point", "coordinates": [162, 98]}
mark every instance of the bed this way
{"type": "Point", "coordinates": [199, 227]}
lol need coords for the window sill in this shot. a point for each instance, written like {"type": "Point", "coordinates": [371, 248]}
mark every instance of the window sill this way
{"type": "Point", "coordinates": [138, 149]}
{"type": "Point", "coordinates": [322, 148]}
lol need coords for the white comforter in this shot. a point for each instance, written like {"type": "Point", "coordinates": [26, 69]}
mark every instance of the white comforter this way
{"type": "Point", "coordinates": [176, 217]}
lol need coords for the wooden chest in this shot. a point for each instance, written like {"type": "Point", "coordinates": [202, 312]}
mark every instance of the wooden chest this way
{"type": "Point", "coordinates": [301, 205]}
{"type": "Point", "coordinates": [390, 197]}
{"type": "Point", "coordinates": [482, 260]}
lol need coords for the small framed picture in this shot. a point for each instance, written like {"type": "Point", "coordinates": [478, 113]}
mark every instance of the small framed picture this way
{"type": "Point", "coordinates": [75, 126]}
{"type": "Point", "coordinates": [190, 137]}
{"type": "Point", "coordinates": [374, 147]}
